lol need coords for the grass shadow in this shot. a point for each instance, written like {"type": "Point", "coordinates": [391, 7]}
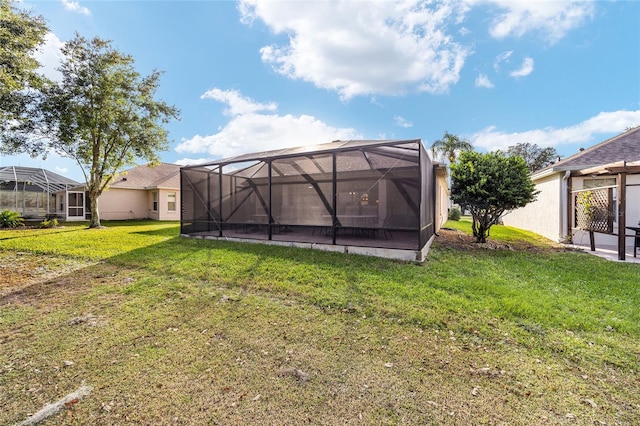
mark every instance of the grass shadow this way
{"type": "Point", "coordinates": [41, 231]}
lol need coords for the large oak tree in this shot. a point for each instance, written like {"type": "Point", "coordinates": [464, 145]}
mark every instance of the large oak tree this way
{"type": "Point", "coordinates": [102, 113]}
{"type": "Point", "coordinates": [536, 158]}
{"type": "Point", "coordinates": [21, 33]}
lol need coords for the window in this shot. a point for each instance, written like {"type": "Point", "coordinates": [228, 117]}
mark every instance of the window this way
{"type": "Point", "coordinates": [154, 207]}
{"type": "Point", "coordinates": [598, 183]}
{"type": "Point", "coordinates": [171, 201]}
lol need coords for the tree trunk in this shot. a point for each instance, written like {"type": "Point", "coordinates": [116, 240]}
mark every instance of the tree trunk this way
{"type": "Point", "coordinates": [95, 213]}
{"type": "Point", "coordinates": [480, 227]}
{"type": "Point", "coordinates": [482, 234]}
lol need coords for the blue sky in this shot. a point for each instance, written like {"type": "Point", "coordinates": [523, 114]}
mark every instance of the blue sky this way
{"type": "Point", "coordinates": [256, 75]}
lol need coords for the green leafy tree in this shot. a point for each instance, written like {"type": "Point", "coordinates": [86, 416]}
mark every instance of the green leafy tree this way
{"type": "Point", "coordinates": [536, 158]}
{"type": "Point", "coordinates": [449, 146]}
{"type": "Point", "coordinates": [488, 185]}
{"type": "Point", "coordinates": [102, 114]}
{"type": "Point", "coordinates": [20, 35]}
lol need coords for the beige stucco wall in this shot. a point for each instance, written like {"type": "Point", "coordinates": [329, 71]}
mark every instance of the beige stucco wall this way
{"type": "Point", "coordinates": [542, 216]}
{"type": "Point", "coordinates": [442, 200]}
{"type": "Point", "coordinates": [128, 204]}
{"type": "Point", "coordinates": [123, 204]}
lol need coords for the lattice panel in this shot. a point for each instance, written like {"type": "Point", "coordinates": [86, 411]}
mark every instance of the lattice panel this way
{"type": "Point", "coordinates": [594, 210]}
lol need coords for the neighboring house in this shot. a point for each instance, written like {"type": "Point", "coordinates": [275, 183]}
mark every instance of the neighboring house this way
{"type": "Point", "coordinates": [31, 191]}
{"type": "Point", "coordinates": [383, 198]}
{"type": "Point", "coordinates": [144, 192]}
{"type": "Point", "coordinates": [586, 188]}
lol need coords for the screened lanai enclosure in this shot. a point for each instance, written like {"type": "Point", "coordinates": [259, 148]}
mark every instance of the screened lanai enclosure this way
{"type": "Point", "coordinates": [31, 191]}
{"type": "Point", "coordinates": [370, 197]}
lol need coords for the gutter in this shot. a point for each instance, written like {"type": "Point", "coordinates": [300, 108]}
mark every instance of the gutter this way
{"type": "Point", "coordinates": [564, 210]}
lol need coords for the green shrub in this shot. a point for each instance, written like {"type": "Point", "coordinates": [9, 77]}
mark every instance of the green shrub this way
{"type": "Point", "coordinates": [10, 219]}
{"type": "Point", "coordinates": [454, 213]}
{"type": "Point", "coordinates": [49, 223]}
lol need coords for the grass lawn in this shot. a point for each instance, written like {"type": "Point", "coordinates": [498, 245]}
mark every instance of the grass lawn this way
{"type": "Point", "coordinates": [168, 330]}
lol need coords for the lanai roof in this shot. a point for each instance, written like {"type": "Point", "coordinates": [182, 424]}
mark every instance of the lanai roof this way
{"type": "Point", "coordinates": [311, 159]}
{"type": "Point", "coordinates": [46, 180]}
{"type": "Point", "coordinates": [334, 146]}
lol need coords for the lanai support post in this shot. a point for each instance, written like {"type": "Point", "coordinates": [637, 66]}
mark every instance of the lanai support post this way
{"type": "Point", "coordinates": [220, 200]}
{"type": "Point", "coordinates": [269, 200]}
{"type": "Point", "coordinates": [208, 206]}
{"type": "Point", "coordinates": [622, 220]}
{"type": "Point", "coordinates": [334, 189]}
{"type": "Point", "coordinates": [569, 206]}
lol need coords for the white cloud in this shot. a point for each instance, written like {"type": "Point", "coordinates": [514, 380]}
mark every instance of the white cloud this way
{"type": "Point", "coordinates": [62, 170]}
{"type": "Point", "coordinates": [358, 48]}
{"type": "Point", "coordinates": [49, 56]}
{"type": "Point", "coordinates": [402, 122]}
{"type": "Point", "coordinates": [483, 81]}
{"type": "Point", "coordinates": [524, 70]}
{"type": "Point", "coordinates": [238, 104]}
{"type": "Point", "coordinates": [74, 6]}
{"type": "Point", "coordinates": [249, 131]}
{"type": "Point", "coordinates": [503, 57]}
{"type": "Point", "coordinates": [192, 161]}
{"type": "Point", "coordinates": [613, 122]}
{"type": "Point", "coordinates": [552, 19]}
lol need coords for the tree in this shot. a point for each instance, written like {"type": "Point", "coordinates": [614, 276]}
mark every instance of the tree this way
{"type": "Point", "coordinates": [102, 114]}
{"type": "Point", "coordinates": [449, 146]}
{"type": "Point", "coordinates": [20, 35]}
{"type": "Point", "coordinates": [489, 185]}
{"type": "Point", "coordinates": [536, 158]}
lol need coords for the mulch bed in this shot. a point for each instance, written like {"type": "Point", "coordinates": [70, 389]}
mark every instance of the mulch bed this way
{"type": "Point", "coordinates": [459, 240]}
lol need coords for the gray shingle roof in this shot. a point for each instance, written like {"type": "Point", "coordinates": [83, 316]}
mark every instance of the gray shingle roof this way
{"type": "Point", "coordinates": [164, 175]}
{"type": "Point", "coordinates": [623, 147]}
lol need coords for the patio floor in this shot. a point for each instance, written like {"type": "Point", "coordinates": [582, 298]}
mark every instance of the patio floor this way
{"type": "Point", "coordinates": [608, 252]}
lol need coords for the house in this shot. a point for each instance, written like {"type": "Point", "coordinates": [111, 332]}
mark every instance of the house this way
{"type": "Point", "coordinates": [31, 191]}
{"type": "Point", "coordinates": [143, 192]}
{"type": "Point", "coordinates": [383, 198]}
{"type": "Point", "coordinates": [594, 194]}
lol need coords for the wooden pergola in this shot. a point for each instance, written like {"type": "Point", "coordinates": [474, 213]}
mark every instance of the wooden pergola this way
{"type": "Point", "coordinates": [620, 169]}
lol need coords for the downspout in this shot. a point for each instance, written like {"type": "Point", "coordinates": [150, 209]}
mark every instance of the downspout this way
{"type": "Point", "coordinates": [564, 206]}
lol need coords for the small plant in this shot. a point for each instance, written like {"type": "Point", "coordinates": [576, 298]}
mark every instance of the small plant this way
{"type": "Point", "coordinates": [10, 219]}
{"type": "Point", "coordinates": [49, 223]}
{"type": "Point", "coordinates": [454, 214]}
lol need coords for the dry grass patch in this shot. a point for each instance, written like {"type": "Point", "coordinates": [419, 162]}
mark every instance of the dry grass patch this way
{"type": "Point", "coordinates": [20, 270]}
{"type": "Point", "coordinates": [160, 350]}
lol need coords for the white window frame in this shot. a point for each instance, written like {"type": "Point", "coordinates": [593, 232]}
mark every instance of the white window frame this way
{"type": "Point", "coordinates": [171, 195]}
